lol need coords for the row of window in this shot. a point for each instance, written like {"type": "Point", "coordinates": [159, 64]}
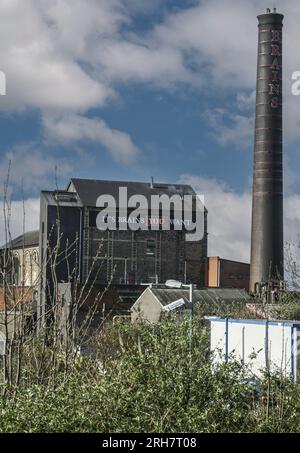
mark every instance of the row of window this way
{"type": "Point", "coordinates": [29, 256]}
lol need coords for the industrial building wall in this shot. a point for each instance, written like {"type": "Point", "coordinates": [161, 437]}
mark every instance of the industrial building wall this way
{"type": "Point", "coordinates": [226, 273]}
{"type": "Point", "coordinates": [212, 272]}
{"type": "Point", "coordinates": [63, 226]}
{"type": "Point", "coordinates": [111, 257]}
{"type": "Point", "coordinates": [129, 257]}
{"type": "Point", "coordinates": [234, 275]}
{"type": "Point", "coordinates": [60, 244]}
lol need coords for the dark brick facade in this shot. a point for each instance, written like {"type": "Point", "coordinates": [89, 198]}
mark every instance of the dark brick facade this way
{"type": "Point", "coordinates": [226, 273]}
{"type": "Point", "coordinates": [134, 257]}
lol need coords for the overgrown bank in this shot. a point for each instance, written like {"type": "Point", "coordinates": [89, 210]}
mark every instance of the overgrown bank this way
{"type": "Point", "coordinates": [151, 379]}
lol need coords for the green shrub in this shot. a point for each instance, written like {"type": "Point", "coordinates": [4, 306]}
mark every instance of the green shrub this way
{"type": "Point", "coordinates": [153, 379]}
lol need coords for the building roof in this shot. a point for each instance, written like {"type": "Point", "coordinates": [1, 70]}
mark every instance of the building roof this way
{"type": "Point", "coordinates": [227, 260]}
{"type": "Point", "coordinates": [61, 198]}
{"type": "Point", "coordinates": [88, 190]}
{"type": "Point", "coordinates": [166, 296]}
{"type": "Point", "coordinates": [29, 239]}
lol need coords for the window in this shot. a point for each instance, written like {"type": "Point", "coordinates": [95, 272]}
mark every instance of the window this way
{"type": "Point", "coordinates": [35, 257]}
{"type": "Point", "coordinates": [34, 267]}
{"type": "Point", "coordinates": [150, 251]}
{"type": "Point", "coordinates": [15, 270]}
{"type": "Point", "coordinates": [27, 270]}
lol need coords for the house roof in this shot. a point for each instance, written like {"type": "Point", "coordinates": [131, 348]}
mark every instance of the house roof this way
{"type": "Point", "coordinates": [29, 239]}
{"type": "Point", "coordinates": [89, 190]}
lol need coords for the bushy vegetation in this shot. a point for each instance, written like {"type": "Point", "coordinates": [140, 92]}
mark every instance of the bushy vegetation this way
{"type": "Point", "coordinates": [151, 379]}
{"type": "Point", "coordinates": [288, 309]}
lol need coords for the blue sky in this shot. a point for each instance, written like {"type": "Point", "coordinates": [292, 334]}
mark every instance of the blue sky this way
{"type": "Point", "coordinates": [129, 89]}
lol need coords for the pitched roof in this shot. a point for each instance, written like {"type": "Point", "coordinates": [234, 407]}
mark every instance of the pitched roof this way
{"type": "Point", "coordinates": [89, 190]}
{"type": "Point", "coordinates": [166, 295]}
{"type": "Point", "coordinates": [29, 239]}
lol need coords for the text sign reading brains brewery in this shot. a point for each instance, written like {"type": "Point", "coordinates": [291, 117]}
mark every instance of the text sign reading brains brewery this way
{"type": "Point", "coordinates": [275, 68]}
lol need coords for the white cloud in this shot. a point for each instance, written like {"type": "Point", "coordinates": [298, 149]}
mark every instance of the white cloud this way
{"type": "Point", "coordinates": [222, 39]}
{"type": "Point", "coordinates": [20, 217]}
{"type": "Point", "coordinates": [142, 6]}
{"type": "Point", "coordinates": [144, 62]}
{"type": "Point", "coordinates": [29, 167]}
{"type": "Point", "coordinates": [65, 54]}
{"type": "Point", "coordinates": [222, 36]}
{"type": "Point", "coordinates": [42, 68]}
{"type": "Point", "coordinates": [230, 128]}
{"type": "Point", "coordinates": [74, 128]}
{"type": "Point", "coordinates": [246, 101]}
{"type": "Point", "coordinates": [71, 55]}
{"type": "Point", "coordinates": [229, 218]}
{"type": "Point", "coordinates": [46, 53]}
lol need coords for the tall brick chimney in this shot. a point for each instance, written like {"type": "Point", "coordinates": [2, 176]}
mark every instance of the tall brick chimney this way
{"type": "Point", "coordinates": [267, 202]}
